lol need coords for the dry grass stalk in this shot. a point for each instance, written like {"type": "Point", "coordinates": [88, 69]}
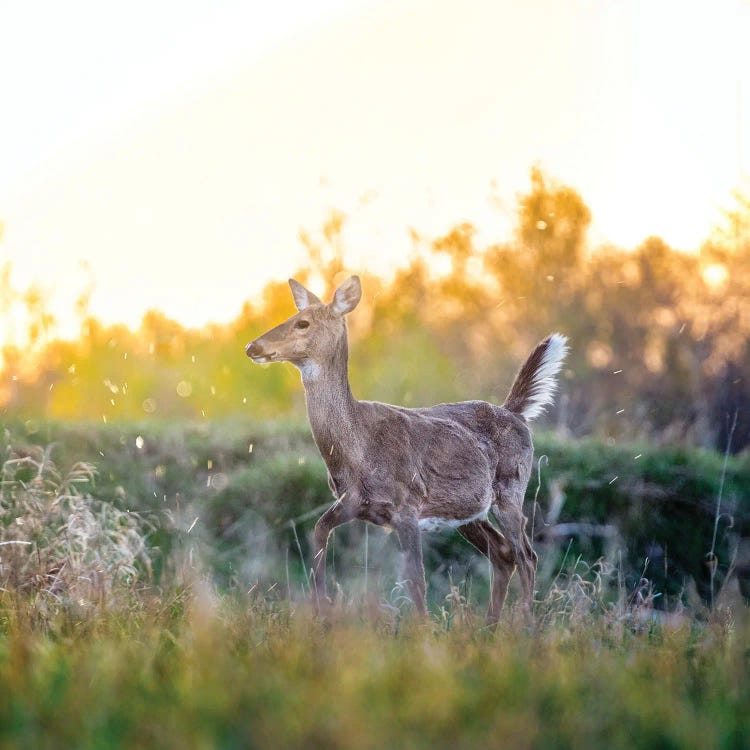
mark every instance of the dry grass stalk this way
{"type": "Point", "coordinates": [58, 543]}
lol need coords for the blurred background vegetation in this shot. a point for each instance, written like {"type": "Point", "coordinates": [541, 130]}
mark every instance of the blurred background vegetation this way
{"type": "Point", "coordinates": [659, 337]}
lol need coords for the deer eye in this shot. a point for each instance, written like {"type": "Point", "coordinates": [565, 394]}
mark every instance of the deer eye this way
{"type": "Point", "coordinates": [302, 324]}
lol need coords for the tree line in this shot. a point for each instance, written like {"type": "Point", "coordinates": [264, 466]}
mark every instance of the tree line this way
{"type": "Point", "coordinates": [659, 337]}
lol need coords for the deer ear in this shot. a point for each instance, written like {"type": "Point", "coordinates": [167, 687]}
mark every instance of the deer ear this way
{"type": "Point", "coordinates": [347, 296]}
{"type": "Point", "coordinates": [302, 297]}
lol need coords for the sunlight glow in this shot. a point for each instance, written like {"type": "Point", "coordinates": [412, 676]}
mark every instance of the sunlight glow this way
{"type": "Point", "coordinates": [715, 275]}
{"type": "Point", "coordinates": [180, 179]}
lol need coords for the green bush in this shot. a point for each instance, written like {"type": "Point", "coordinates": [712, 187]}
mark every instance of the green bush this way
{"type": "Point", "coordinates": [245, 482]}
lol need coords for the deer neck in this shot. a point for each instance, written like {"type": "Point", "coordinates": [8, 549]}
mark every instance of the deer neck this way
{"type": "Point", "coordinates": [331, 408]}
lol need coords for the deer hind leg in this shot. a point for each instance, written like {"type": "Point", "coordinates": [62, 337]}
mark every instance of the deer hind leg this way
{"type": "Point", "coordinates": [512, 524]}
{"type": "Point", "coordinates": [486, 538]}
{"type": "Point", "coordinates": [410, 541]}
{"type": "Point", "coordinates": [339, 513]}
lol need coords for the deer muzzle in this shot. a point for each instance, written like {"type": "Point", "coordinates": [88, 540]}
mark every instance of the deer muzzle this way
{"type": "Point", "coordinates": [257, 352]}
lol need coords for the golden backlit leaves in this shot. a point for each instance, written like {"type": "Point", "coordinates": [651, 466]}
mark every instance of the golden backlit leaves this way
{"type": "Point", "coordinates": [654, 332]}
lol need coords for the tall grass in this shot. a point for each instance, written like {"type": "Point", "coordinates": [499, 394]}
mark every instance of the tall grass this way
{"type": "Point", "coordinates": [200, 669]}
{"type": "Point", "coordinates": [96, 652]}
{"type": "Point", "coordinates": [59, 546]}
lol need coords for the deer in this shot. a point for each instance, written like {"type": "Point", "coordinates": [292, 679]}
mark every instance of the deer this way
{"type": "Point", "coordinates": [414, 470]}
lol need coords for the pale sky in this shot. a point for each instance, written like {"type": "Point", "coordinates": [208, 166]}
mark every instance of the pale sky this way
{"type": "Point", "coordinates": [178, 148]}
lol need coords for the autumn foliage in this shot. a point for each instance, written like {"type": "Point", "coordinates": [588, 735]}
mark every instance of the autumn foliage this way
{"type": "Point", "coordinates": [659, 337]}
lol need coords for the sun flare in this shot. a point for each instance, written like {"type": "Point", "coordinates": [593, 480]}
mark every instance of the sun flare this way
{"type": "Point", "coordinates": [186, 188]}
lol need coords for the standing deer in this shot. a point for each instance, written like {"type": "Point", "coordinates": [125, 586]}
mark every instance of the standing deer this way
{"type": "Point", "coordinates": [416, 469]}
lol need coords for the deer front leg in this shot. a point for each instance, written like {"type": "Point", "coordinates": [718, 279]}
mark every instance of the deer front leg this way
{"type": "Point", "coordinates": [410, 540]}
{"type": "Point", "coordinates": [336, 515]}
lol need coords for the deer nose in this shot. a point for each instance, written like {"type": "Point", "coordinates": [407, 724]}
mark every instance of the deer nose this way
{"type": "Point", "coordinates": [253, 349]}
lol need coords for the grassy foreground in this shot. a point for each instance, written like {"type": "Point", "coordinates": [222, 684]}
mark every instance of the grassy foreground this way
{"type": "Point", "coordinates": [99, 648]}
{"type": "Point", "coordinates": [198, 671]}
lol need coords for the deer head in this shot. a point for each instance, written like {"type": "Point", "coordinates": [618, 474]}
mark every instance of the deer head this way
{"type": "Point", "coordinates": [315, 336]}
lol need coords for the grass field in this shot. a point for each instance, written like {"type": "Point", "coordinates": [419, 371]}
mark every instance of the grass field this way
{"type": "Point", "coordinates": [144, 602]}
{"type": "Point", "coordinates": [193, 670]}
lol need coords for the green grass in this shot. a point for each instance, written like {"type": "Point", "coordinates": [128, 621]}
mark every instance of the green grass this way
{"type": "Point", "coordinates": [204, 671]}
{"type": "Point", "coordinates": [127, 623]}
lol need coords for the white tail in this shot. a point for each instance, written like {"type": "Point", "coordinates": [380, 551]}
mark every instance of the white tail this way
{"type": "Point", "coordinates": [536, 382]}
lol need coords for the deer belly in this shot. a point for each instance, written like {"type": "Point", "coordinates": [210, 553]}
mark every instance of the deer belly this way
{"type": "Point", "coordinates": [435, 523]}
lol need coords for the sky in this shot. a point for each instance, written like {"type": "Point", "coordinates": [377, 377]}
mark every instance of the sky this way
{"type": "Point", "coordinates": [170, 153]}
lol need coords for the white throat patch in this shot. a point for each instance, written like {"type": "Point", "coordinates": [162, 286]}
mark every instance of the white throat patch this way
{"type": "Point", "coordinates": [310, 370]}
